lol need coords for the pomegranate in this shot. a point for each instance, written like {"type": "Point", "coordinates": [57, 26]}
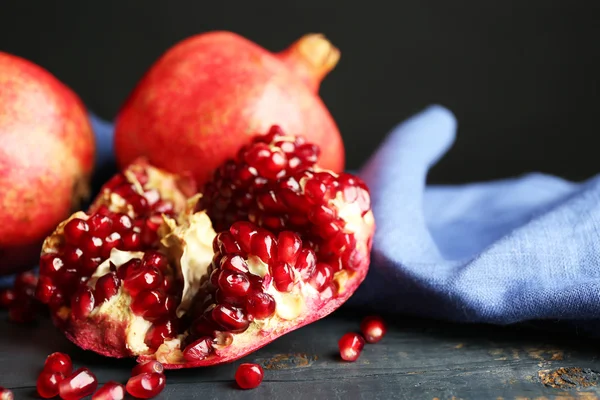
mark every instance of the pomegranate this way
{"type": "Point", "coordinates": [146, 385]}
{"type": "Point", "coordinates": [80, 384]}
{"type": "Point", "coordinates": [249, 376]}
{"type": "Point", "coordinates": [373, 328]}
{"type": "Point", "coordinates": [351, 345]}
{"type": "Point", "coordinates": [207, 95]}
{"type": "Point", "coordinates": [170, 290]}
{"type": "Point", "coordinates": [110, 391]}
{"type": "Point", "coordinates": [47, 148]}
{"type": "Point", "coordinates": [6, 394]}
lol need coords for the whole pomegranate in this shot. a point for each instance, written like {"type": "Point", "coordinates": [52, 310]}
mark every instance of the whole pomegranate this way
{"type": "Point", "coordinates": [46, 158]}
{"type": "Point", "coordinates": [209, 94]}
{"type": "Point", "coordinates": [143, 272]}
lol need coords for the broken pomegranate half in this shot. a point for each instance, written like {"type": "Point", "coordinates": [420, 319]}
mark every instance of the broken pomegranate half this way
{"type": "Point", "coordinates": [143, 273]}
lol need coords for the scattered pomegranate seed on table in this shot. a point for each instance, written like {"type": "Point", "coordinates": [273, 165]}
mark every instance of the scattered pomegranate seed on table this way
{"type": "Point", "coordinates": [80, 384]}
{"type": "Point", "coordinates": [146, 385]}
{"type": "Point", "coordinates": [110, 391]}
{"type": "Point", "coordinates": [373, 328]}
{"type": "Point", "coordinates": [149, 367]}
{"type": "Point", "coordinates": [6, 394]}
{"type": "Point", "coordinates": [59, 362]}
{"type": "Point", "coordinates": [47, 384]}
{"type": "Point", "coordinates": [351, 345]}
{"type": "Point", "coordinates": [249, 376]}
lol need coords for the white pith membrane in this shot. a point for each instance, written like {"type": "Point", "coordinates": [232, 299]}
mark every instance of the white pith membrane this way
{"type": "Point", "coordinates": [187, 241]}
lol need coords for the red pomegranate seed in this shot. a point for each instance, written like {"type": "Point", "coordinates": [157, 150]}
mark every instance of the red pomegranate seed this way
{"type": "Point", "coordinates": [156, 259]}
{"type": "Point", "coordinates": [225, 243]}
{"type": "Point", "coordinates": [263, 245]}
{"type": "Point", "coordinates": [351, 344]}
{"type": "Point", "coordinates": [110, 242]}
{"type": "Point", "coordinates": [72, 256]}
{"type": "Point", "coordinates": [50, 265]}
{"type": "Point", "coordinates": [144, 279]}
{"type": "Point", "coordinates": [149, 304]}
{"type": "Point", "coordinates": [198, 350]}
{"type": "Point", "coordinates": [230, 318]}
{"type": "Point", "coordinates": [6, 394]}
{"type": "Point", "coordinates": [222, 298]}
{"type": "Point", "coordinates": [148, 367]}
{"type": "Point", "coordinates": [44, 290]}
{"type": "Point", "coordinates": [80, 384]}
{"type": "Point", "coordinates": [74, 230]}
{"type": "Point", "coordinates": [373, 328]}
{"type": "Point", "coordinates": [131, 241]}
{"type": "Point", "coordinates": [249, 376]}
{"type": "Point", "coordinates": [47, 384]}
{"type": "Point", "coordinates": [89, 265]}
{"type": "Point", "coordinates": [59, 362]}
{"type": "Point", "coordinates": [56, 301]}
{"type": "Point", "coordinates": [322, 276]}
{"type": "Point", "coordinates": [139, 203]}
{"type": "Point", "coordinates": [122, 223]}
{"type": "Point", "coordinates": [283, 276]}
{"type": "Point", "coordinates": [260, 305]}
{"type": "Point", "coordinates": [100, 225]}
{"type": "Point", "coordinates": [146, 386]}
{"type": "Point", "coordinates": [91, 245]}
{"type": "Point", "coordinates": [306, 263]}
{"type": "Point", "coordinates": [106, 287]}
{"type": "Point", "coordinates": [233, 283]}
{"type": "Point", "coordinates": [204, 326]}
{"type": "Point", "coordinates": [82, 303]}
{"type": "Point", "coordinates": [243, 232]}
{"type": "Point", "coordinates": [288, 246]}
{"type": "Point", "coordinates": [234, 263]}
{"type": "Point", "coordinates": [110, 391]}
{"type": "Point", "coordinates": [158, 333]}
{"type": "Point", "coordinates": [7, 297]}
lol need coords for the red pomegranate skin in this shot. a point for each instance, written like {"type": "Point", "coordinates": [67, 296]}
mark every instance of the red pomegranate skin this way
{"type": "Point", "coordinates": [209, 94]}
{"type": "Point", "coordinates": [46, 158]}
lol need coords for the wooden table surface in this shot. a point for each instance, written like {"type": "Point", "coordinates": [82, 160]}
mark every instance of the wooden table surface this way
{"type": "Point", "coordinates": [418, 359]}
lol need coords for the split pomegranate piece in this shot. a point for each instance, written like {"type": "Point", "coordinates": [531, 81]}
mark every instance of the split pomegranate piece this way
{"type": "Point", "coordinates": [146, 385]}
{"type": "Point", "coordinates": [351, 345]}
{"type": "Point", "coordinates": [168, 288]}
{"type": "Point", "coordinates": [110, 391]}
{"type": "Point", "coordinates": [6, 394]}
{"type": "Point", "coordinates": [80, 384]}
{"type": "Point", "coordinates": [249, 376]}
{"type": "Point", "coordinates": [373, 328]}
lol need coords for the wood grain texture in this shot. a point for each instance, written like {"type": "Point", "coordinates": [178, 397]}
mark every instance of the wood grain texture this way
{"type": "Point", "coordinates": [417, 359]}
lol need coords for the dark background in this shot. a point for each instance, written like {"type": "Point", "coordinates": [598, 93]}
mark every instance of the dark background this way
{"type": "Point", "coordinates": [521, 76]}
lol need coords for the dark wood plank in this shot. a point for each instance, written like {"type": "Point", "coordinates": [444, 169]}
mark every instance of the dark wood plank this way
{"type": "Point", "coordinates": [418, 359]}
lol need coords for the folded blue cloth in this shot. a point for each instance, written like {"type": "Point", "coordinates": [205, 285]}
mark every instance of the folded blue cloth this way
{"type": "Point", "coordinates": [498, 252]}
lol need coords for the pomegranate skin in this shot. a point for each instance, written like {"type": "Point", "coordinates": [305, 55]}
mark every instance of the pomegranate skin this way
{"type": "Point", "coordinates": [209, 94]}
{"type": "Point", "coordinates": [47, 148]}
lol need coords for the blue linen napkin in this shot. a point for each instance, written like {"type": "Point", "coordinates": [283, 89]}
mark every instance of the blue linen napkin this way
{"type": "Point", "coordinates": [497, 252]}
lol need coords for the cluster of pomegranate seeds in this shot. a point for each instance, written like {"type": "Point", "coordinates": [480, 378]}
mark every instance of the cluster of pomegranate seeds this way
{"type": "Point", "coordinates": [373, 329]}
{"type": "Point", "coordinates": [20, 299]}
{"type": "Point", "coordinates": [110, 391]}
{"type": "Point", "coordinates": [57, 367]}
{"type": "Point", "coordinates": [6, 394]}
{"type": "Point", "coordinates": [249, 376]}
{"type": "Point", "coordinates": [274, 182]}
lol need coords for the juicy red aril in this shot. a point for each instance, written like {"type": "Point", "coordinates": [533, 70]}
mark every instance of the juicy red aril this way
{"type": "Point", "coordinates": [306, 263]}
{"type": "Point", "coordinates": [89, 266]}
{"type": "Point", "coordinates": [373, 328]}
{"type": "Point", "coordinates": [79, 385]}
{"type": "Point", "coordinates": [59, 362]}
{"type": "Point", "coordinates": [243, 232]}
{"type": "Point", "coordinates": [157, 334]}
{"type": "Point", "coordinates": [74, 230]}
{"type": "Point", "coordinates": [149, 304]}
{"type": "Point", "coordinates": [283, 276]}
{"type": "Point", "coordinates": [222, 298]}
{"type": "Point", "coordinates": [351, 345]}
{"type": "Point", "coordinates": [131, 241]}
{"type": "Point", "coordinates": [110, 391]}
{"type": "Point", "coordinates": [225, 243]}
{"type": "Point", "coordinates": [288, 246]}
{"type": "Point", "coordinates": [155, 259]}
{"type": "Point", "coordinates": [6, 394]}
{"type": "Point", "coordinates": [91, 246]}
{"type": "Point", "coordinates": [131, 267]}
{"type": "Point", "coordinates": [260, 305]}
{"type": "Point", "coordinates": [144, 279]}
{"type": "Point", "coordinates": [234, 263]}
{"type": "Point", "coordinates": [47, 384]}
{"type": "Point", "coordinates": [122, 223]}
{"type": "Point", "coordinates": [110, 242]}
{"type": "Point", "coordinates": [230, 318]}
{"type": "Point", "coordinates": [44, 290]}
{"type": "Point", "coordinates": [233, 283]}
{"type": "Point", "coordinates": [82, 303]}
{"type": "Point", "coordinates": [50, 264]}
{"type": "Point", "coordinates": [263, 245]}
{"type": "Point", "coordinates": [106, 287]}
{"type": "Point", "coordinates": [100, 225]}
{"type": "Point", "coordinates": [198, 350]}
{"type": "Point", "coordinates": [322, 276]}
{"type": "Point", "coordinates": [249, 376]}
{"type": "Point", "coordinates": [148, 367]}
{"type": "Point", "coordinates": [146, 385]}
{"type": "Point", "coordinates": [7, 297]}
{"type": "Point", "coordinates": [139, 203]}
{"type": "Point", "coordinates": [72, 255]}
